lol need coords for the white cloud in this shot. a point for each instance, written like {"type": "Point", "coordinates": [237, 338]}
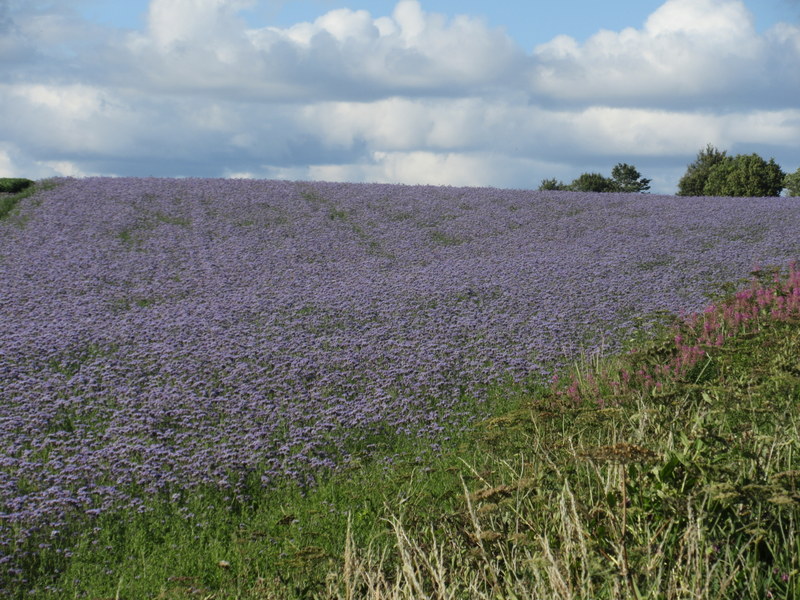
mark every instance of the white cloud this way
{"type": "Point", "coordinates": [398, 123]}
{"type": "Point", "coordinates": [788, 36]}
{"type": "Point", "coordinates": [412, 96]}
{"type": "Point", "coordinates": [7, 167]}
{"type": "Point", "coordinates": [436, 168]}
{"type": "Point", "coordinates": [510, 126]}
{"type": "Point", "coordinates": [77, 101]}
{"type": "Point", "coordinates": [66, 168]}
{"type": "Point", "coordinates": [15, 163]}
{"type": "Point", "coordinates": [689, 52]}
{"type": "Point", "coordinates": [68, 118]}
{"type": "Point", "coordinates": [201, 45]}
{"type": "Point", "coordinates": [344, 24]}
{"type": "Point", "coordinates": [716, 21]}
{"type": "Point", "coordinates": [430, 168]}
{"type": "Point", "coordinates": [178, 24]}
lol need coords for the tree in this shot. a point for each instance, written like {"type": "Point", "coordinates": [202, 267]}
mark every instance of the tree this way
{"type": "Point", "coordinates": [624, 178]}
{"type": "Point", "coordinates": [744, 175]}
{"type": "Point", "coordinates": [694, 180]}
{"type": "Point", "coordinates": [792, 183]}
{"type": "Point", "coordinates": [628, 179]}
{"type": "Point", "coordinates": [552, 184]}
{"type": "Point", "coordinates": [592, 182]}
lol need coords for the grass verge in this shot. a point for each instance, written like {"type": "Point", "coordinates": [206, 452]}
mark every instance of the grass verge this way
{"type": "Point", "coordinates": [670, 471]}
{"type": "Point", "coordinates": [12, 190]}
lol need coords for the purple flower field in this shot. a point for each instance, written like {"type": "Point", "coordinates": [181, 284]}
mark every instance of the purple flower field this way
{"type": "Point", "coordinates": [157, 335]}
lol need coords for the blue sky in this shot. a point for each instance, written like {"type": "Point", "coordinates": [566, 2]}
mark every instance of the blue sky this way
{"type": "Point", "coordinates": [529, 23]}
{"type": "Point", "coordinates": [411, 91]}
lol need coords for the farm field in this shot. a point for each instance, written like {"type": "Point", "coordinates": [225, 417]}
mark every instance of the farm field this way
{"type": "Point", "coordinates": [168, 339]}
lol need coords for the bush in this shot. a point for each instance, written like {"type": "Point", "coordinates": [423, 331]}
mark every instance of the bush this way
{"type": "Point", "coordinates": [624, 178]}
{"type": "Point", "coordinates": [744, 175]}
{"type": "Point", "coordinates": [11, 191]}
{"type": "Point", "coordinates": [792, 183]}
{"type": "Point", "coordinates": [694, 180]}
{"type": "Point", "coordinates": [592, 182]}
{"type": "Point", "coordinates": [552, 184]}
{"type": "Point", "coordinates": [714, 173]}
{"type": "Point", "coordinates": [12, 185]}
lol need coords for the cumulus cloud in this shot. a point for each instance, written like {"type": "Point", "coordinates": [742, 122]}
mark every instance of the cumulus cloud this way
{"type": "Point", "coordinates": [689, 53]}
{"type": "Point", "coordinates": [6, 163]}
{"type": "Point", "coordinates": [202, 46]}
{"type": "Point", "coordinates": [411, 96]}
{"type": "Point", "coordinates": [183, 23]}
{"type": "Point", "coordinates": [510, 126]}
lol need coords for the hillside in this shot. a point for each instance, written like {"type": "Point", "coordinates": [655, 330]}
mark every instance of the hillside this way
{"type": "Point", "coordinates": [163, 339]}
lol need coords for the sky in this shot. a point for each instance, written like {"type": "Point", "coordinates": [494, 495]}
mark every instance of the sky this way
{"type": "Point", "coordinates": [442, 92]}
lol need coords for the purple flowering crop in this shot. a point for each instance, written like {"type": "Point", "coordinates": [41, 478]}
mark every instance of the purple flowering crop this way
{"type": "Point", "coordinates": [158, 334]}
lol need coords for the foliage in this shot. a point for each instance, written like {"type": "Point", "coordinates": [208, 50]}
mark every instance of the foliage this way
{"type": "Point", "coordinates": [552, 184]}
{"type": "Point", "coordinates": [694, 180]}
{"type": "Point", "coordinates": [625, 178]}
{"type": "Point", "coordinates": [792, 183]}
{"type": "Point", "coordinates": [592, 182]}
{"type": "Point", "coordinates": [714, 173]}
{"type": "Point", "coordinates": [15, 190]}
{"type": "Point", "coordinates": [744, 176]}
{"type": "Point", "coordinates": [12, 185]}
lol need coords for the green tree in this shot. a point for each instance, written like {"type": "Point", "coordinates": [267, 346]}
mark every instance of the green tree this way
{"type": "Point", "coordinates": [792, 183]}
{"type": "Point", "coordinates": [624, 178]}
{"type": "Point", "coordinates": [744, 175]}
{"type": "Point", "coordinates": [592, 182]}
{"type": "Point", "coordinates": [694, 180]}
{"type": "Point", "coordinates": [552, 184]}
{"type": "Point", "coordinates": [627, 179]}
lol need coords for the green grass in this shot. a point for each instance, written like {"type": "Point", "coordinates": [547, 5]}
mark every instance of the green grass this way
{"type": "Point", "coordinates": [136, 235]}
{"type": "Point", "coordinates": [670, 471]}
{"type": "Point", "coordinates": [335, 213]}
{"type": "Point", "coordinates": [443, 239]}
{"type": "Point", "coordinates": [14, 185]}
{"type": "Point", "coordinates": [12, 190]}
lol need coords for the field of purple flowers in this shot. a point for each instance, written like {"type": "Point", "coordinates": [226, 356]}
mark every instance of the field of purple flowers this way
{"type": "Point", "coordinates": [157, 335]}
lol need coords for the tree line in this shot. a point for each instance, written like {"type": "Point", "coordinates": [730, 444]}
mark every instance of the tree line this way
{"type": "Point", "coordinates": [713, 173]}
